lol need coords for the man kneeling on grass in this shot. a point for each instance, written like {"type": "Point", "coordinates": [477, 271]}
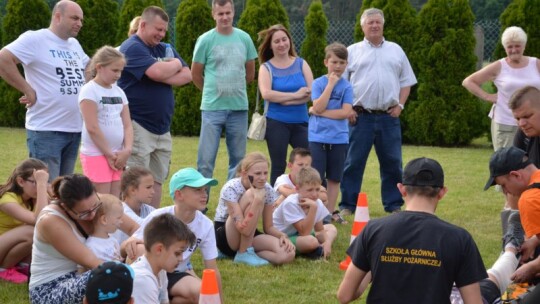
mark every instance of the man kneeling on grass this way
{"type": "Point", "coordinates": [422, 254]}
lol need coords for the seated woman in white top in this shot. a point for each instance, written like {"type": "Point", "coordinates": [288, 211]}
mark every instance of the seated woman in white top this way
{"type": "Point", "coordinates": [59, 237]}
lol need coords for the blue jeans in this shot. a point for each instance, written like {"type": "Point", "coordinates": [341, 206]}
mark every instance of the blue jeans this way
{"type": "Point", "coordinates": [278, 137]}
{"type": "Point", "coordinates": [383, 131]}
{"type": "Point", "coordinates": [58, 150]}
{"type": "Point", "coordinates": [212, 124]}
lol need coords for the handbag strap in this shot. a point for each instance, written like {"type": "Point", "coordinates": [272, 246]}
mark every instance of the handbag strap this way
{"type": "Point", "coordinates": [267, 66]}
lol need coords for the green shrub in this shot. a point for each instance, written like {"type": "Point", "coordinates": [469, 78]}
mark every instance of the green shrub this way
{"type": "Point", "coordinates": [444, 114]}
{"type": "Point", "coordinates": [24, 15]}
{"type": "Point", "coordinates": [194, 17]}
{"type": "Point", "coordinates": [261, 14]}
{"type": "Point", "coordinates": [100, 24]}
{"type": "Point", "coordinates": [316, 25]}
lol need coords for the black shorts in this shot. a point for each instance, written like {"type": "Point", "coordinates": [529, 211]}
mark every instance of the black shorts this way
{"type": "Point", "coordinates": [174, 277]}
{"type": "Point", "coordinates": [489, 290]}
{"type": "Point", "coordinates": [221, 239]}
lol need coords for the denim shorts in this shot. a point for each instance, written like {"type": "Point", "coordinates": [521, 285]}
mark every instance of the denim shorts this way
{"type": "Point", "coordinates": [59, 150]}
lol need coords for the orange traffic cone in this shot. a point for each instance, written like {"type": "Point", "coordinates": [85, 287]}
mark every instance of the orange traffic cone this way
{"type": "Point", "coordinates": [209, 288]}
{"type": "Point", "coordinates": [361, 217]}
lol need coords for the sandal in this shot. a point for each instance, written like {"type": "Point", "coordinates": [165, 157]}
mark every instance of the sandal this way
{"type": "Point", "coordinates": [336, 217]}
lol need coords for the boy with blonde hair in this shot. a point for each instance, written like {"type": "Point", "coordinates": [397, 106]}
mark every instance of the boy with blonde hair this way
{"type": "Point", "coordinates": [301, 215]}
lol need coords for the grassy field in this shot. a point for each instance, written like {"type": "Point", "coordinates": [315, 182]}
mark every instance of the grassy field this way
{"type": "Point", "coordinates": [306, 281]}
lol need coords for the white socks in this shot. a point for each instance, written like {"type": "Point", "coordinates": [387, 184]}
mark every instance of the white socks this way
{"type": "Point", "coordinates": [503, 268]}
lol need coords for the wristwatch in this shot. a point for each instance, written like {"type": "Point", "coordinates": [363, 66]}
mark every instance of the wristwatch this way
{"type": "Point", "coordinates": [402, 106]}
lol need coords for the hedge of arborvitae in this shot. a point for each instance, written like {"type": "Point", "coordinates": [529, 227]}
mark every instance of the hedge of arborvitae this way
{"type": "Point", "coordinates": [194, 17]}
{"type": "Point", "coordinates": [444, 113]}
{"type": "Point", "coordinates": [261, 14]}
{"type": "Point", "coordinates": [100, 24]}
{"type": "Point", "coordinates": [21, 16]}
{"type": "Point", "coordinates": [316, 25]}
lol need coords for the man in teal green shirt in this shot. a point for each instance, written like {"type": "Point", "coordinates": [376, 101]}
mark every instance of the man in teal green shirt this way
{"type": "Point", "coordinates": [223, 64]}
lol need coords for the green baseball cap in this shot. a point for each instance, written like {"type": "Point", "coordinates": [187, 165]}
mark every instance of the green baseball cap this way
{"type": "Point", "coordinates": [189, 177]}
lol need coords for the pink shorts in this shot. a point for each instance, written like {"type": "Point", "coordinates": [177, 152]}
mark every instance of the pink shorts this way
{"type": "Point", "coordinates": [97, 169]}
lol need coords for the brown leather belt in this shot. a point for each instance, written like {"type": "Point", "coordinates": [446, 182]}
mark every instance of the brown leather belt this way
{"type": "Point", "coordinates": [362, 110]}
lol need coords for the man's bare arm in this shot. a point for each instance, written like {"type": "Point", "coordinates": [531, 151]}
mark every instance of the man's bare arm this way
{"type": "Point", "coordinates": [10, 73]}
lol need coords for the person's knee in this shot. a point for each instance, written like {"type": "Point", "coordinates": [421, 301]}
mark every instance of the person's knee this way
{"type": "Point", "coordinates": [330, 229]}
{"type": "Point", "coordinates": [306, 244]}
{"type": "Point", "coordinates": [283, 257]}
{"type": "Point", "coordinates": [186, 292]}
{"type": "Point", "coordinates": [27, 234]}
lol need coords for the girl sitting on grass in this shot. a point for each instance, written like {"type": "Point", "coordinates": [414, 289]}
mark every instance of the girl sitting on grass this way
{"type": "Point", "coordinates": [21, 199]}
{"type": "Point", "coordinates": [137, 186]}
{"type": "Point", "coordinates": [242, 202]}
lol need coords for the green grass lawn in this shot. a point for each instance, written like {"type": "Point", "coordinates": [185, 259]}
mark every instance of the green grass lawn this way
{"type": "Point", "coordinates": [303, 281]}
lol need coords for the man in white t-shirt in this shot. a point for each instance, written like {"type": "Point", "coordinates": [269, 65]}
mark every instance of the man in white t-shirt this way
{"type": "Point", "coordinates": [54, 66]}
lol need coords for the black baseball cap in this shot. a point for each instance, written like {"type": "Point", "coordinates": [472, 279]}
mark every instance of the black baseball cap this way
{"type": "Point", "coordinates": [504, 161]}
{"type": "Point", "coordinates": [423, 172]}
{"type": "Point", "coordinates": [110, 282]}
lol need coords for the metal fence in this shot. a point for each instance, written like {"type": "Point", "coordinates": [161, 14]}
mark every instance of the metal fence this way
{"type": "Point", "coordinates": [343, 31]}
{"type": "Point", "coordinates": [486, 31]}
{"type": "Point", "coordinates": [338, 31]}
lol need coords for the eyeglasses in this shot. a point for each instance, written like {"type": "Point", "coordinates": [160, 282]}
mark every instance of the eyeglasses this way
{"type": "Point", "coordinates": [31, 181]}
{"type": "Point", "coordinates": [85, 214]}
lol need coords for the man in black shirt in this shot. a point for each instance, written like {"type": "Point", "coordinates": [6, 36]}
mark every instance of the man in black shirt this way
{"type": "Point", "coordinates": [413, 256]}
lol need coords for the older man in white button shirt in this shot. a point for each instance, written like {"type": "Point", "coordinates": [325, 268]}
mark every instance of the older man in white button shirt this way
{"type": "Point", "coordinates": [381, 77]}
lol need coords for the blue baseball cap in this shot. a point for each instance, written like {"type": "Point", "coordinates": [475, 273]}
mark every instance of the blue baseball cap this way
{"type": "Point", "coordinates": [189, 177]}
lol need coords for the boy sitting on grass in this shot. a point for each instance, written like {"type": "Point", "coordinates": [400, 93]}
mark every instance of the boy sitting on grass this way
{"type": "Point", "coordinates": [301, 215]}
{"type": "Point", "coordinates": [285, 184]}
{"type": "Point", "coordinates": [166, 238]}
{"type": "Point", "coordinates": [189, 191]}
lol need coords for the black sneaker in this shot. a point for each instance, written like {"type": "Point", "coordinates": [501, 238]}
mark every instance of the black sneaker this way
{"type": "Point", "coordinates": [514, 232]}
{"type": "Point", "coordinates": [315, 254]}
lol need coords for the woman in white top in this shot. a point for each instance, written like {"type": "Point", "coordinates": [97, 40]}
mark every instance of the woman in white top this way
{"type": "Point", "coordinates": [508, 74]}
{"type": "Point", "coordinates": [61, 230]}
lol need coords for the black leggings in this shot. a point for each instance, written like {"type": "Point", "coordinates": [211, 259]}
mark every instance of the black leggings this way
{"type": "Point", "coordinates": [279, 136]}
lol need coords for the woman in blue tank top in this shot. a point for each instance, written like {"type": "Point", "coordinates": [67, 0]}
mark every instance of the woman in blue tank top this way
{"type": "Point", "coordinates": [285, 83]}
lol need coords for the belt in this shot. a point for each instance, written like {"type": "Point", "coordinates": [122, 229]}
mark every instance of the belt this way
{"type": "Point", "coordinates": [360, 110]}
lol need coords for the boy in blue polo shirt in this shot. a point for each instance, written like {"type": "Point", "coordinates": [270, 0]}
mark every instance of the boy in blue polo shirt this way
{"type": "Point", "coordinates": [328, 131]}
